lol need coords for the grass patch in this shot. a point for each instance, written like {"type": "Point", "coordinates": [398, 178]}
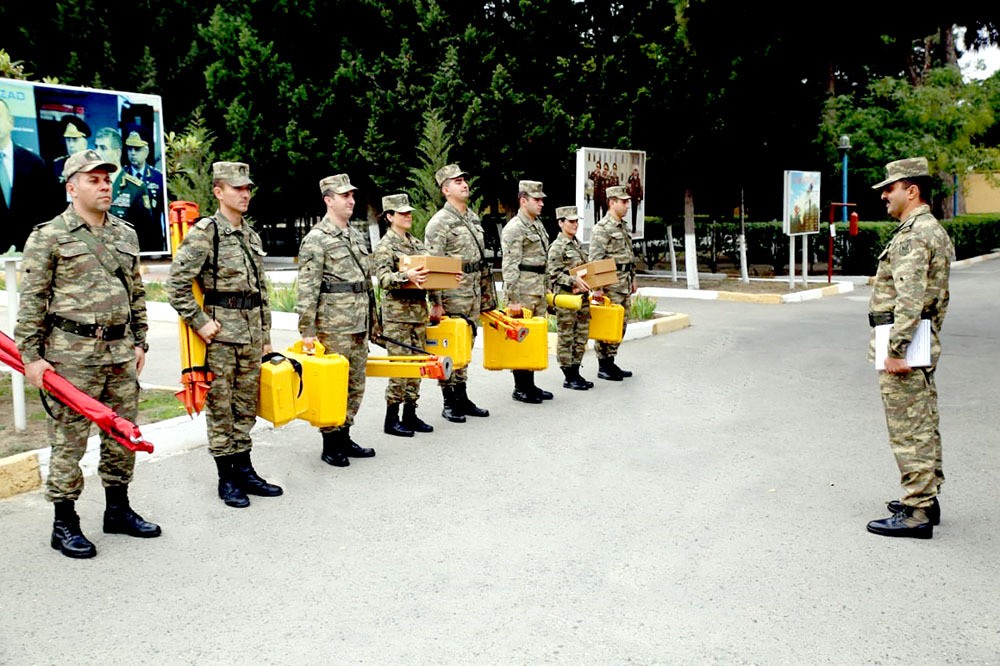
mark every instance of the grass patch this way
{"type": "Point", "coordinates": [643, 308]}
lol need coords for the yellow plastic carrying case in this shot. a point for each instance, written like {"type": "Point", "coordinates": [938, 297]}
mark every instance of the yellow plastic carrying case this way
{"type": "Point", "coordinates": [282, 395]}
{"type": "Point", "coordinates": [324, 385]}
{"type": "Point", "coordinates": [606, 321]}
{"type": "Point", "coordinates": [500, 352]}
{"type": "Point", "coordinates": [451, 337]}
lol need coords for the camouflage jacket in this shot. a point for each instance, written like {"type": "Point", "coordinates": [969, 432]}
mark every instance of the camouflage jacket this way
{"type": "Point", "coordinates": [611, 240]}
{"type": "Point", "coordinates": [333, 255]}
{"type": "Point", "coordinates": [565, 253]}
{"type": "Point", "coordinates": [525, 245]}
{"type": "Point", "coordinates": [404, 305]}
{"type": "Point", "coordinates": [451, 234]}
{"type": "Point", "coordinates": [912, 281]}
{"type": "Point", "coordinates": [240, 269]}
{"type": "Point", "coordinates": [61, 276]}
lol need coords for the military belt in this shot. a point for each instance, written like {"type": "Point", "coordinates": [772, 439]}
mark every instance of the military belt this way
{"type": "Point", "coordinates": [408, 294]}
{"type": "Point", "coordinates": [98, 331]}
{"type": "Point", "coordinates": [531, 269]}
{"type": "Point", "coordinates": [335, 287]}
{"type": "Point", "coordinates": [233, 300]}
{"type": "Point", "coordinates": [624, 267]}
{"type": "Point", "coordinates": [883, 318]}
{"type": "Point", "coordinates": [472, 266]}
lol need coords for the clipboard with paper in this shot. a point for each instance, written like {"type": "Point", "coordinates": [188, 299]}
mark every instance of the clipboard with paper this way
{"type": "Point", "coordinates": [918, 354]}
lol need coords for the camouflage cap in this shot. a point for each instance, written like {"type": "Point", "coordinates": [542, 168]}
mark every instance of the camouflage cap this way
{"type": "Point", "coordinates": [75, 128]}
{"type": "Point", "coordinates": [399, 203]}
{"type": "Point", "coordinates": [339, 184]}
{"type": "Point", "coordinates": [533, 188]}
{"type": "Point", "coordinates": [135, 140]}
{"type": "Point", "coordinates": [911, 167]}
{"type": "Point", "coordinates": [236, 174]}
{"type": "Point", "coordinates": [447, 172]}
{"type": "Point", "coordinates": [84, 161]}
{"type": "Point", "coordinates": [567, 213]}
{"type": "Point", "coordinates": [617, 192]}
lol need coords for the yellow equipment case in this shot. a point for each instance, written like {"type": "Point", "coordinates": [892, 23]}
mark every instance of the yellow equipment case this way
{"type": "Point", "coordinates": [503, 352]}
{"type": "Point", "coordinates": [324, 385]}
{"type": "Point", "coordinates": [452, 336]}
{"type": "Point", "coordinates": [282, 396]}
{"type": "Point", "coordinates": [606, 321]}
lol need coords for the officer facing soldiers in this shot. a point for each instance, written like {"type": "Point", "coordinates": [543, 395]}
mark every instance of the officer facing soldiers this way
{"type": "Point", "coordinates": [224, 255]}
{"type": "Point", "coordinates": [611, 240]}
{"type": "Point", "coordinates": [911, 284]}
{"type": "Point", "coordinates": [455, 231]}
{"type": "Point", "coordinates": [83, 316]}
{"type": "Point", "coordinates": [333, 307]}
{"type": "Point", "coordinates": [404, 311]}
{"type": "Point", "coordinates": [525, 245]}
{"type": "Point", "coordinates": [565, 254]}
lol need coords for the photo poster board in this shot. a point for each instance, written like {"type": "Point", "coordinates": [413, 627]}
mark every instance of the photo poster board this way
{"type": "Point", "coordinates": [617, 167]}
{"type": "Point", "coordinates": [801, 203]}
{"type": "Point", "coordinates": [51, 121]}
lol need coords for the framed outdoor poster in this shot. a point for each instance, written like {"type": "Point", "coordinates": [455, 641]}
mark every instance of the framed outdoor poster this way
{"type": "Point", "coordinates": [801, 203]}
{"type": "Point", "coordinates": [597, 169]}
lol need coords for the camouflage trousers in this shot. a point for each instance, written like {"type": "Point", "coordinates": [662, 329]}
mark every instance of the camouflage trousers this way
{"type": "Point", "coordinates": [468, 306]}
{"type": "Point", "coordinates": [911, 415]}
{"type": "Point", "coordinates": [353, 347]}
{"type": "Point", "coordinates": [115, 385]}
{"type": "Point", "coordinates": [573, 327]}
{"type": "Point", "coordinates": [231, 406]}
{"type": "Point", "coordinates": [404, 389]}
{"type": "Point", "coordinates": [610, 349]}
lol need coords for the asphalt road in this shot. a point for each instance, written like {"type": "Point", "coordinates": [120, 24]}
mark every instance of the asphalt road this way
{"type": "Point", "coordinates": [712, 509]}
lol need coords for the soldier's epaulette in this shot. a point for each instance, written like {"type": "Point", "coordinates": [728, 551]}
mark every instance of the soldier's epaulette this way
{"type": "Point", "coordinates": [116, 219]}
{"type": "Point", "coordinates": [204, 223]}
{"type": "Point", "coordinates": [132, 179]}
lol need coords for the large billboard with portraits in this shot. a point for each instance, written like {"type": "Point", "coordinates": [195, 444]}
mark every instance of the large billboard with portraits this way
{"type": "Point", "coordinates": [42, 124]}
{"type": "Point", "coordinates": [597, 169]}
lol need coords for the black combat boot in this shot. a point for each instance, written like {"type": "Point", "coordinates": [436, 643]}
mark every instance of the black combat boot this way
{"type": "Point", "coordinates": [332, 455]}
{"type": "Point", "coordinates": [412, 421]}
{"type": "Point", "coordinates": [589, 383]}
{"type": "Point", "coordinates": [248, 479]}
{"type": "Point", "coordinates": [229, 490]}
{"type": "Point", "coordinates": [608, 370]}
{"type": "Point", "coordinates": [573, 379]}
{"type": "Point", "coordinates": [66, 535]}
{"type": "Point", "coordinates": [392, 424]}
{"type": "Point", "coordinates": [622, 372]}
{"type": "Point", "coordinates": [541, 393]}
{"type": "Point", "coordinates": [119, 518]}
{"type": "Point", "coordinates": [451, 411]}
{"type": "Point", "coordinates": [468, 407]}
{"type": "Point", "coordinates": [351, 448]}
{"type": "Point", "coordinates": [523, 389]}
{"type": "Point", "coordinates": [910, 522]}
{"type": "Point", "coordinates": [933, 511]}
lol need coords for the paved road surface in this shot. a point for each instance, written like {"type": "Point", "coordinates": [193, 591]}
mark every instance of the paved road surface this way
{"type": "Point", "coordinates": [710, 510]}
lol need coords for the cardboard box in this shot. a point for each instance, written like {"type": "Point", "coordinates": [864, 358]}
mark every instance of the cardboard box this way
{"type": "Point", "coordinates": [441, 270]}
{"type": "Point", "coordinates": [598, 273]}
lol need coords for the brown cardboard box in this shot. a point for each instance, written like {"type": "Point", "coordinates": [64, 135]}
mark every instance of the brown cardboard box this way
{"type": "Point", "coordinates": [598, 273]}
{"type": "Point", "coordinates": [441, 270]}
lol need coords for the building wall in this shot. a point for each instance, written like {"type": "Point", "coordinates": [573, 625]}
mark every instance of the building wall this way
{"type": "Point", "coordinates": [980, 195]}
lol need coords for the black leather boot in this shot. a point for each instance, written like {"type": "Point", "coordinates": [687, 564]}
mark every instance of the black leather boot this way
{"type": "Point", "coordinates": [933, 511]}
{"type": "Point", "coordinates": [332, 455]}
{"type": "Point", "coordinates": [451, 411]}
{"type": "Point", "coordinates": [576, 368]}
{"type": "Point", "coordinates": [119, 518]}
{"type": "Point", "coordinates": [351, 448]}
{"type": "Point", "coordinates": [541, 393]}
{"type": "Point", "coordinates": [250, 482]}
{"type": "Point", "coordinates": [467, 406]}
{"type": "Point", "coordinates": [623, 373]}
{"type": "Point", "coordinates": [66, 535]}
{"type": "Point", "coordinates": [608, 370]}
{"type": "Point", "coordinates": [523, 388]}
{"type": "Point", "coordinates": [229, 490]}
{"type": "Point", "coordinates": [392, 424]}
{"type": "Point", "coordinates": [910, 522]}
{"type": "Point", "coordinates": [573, 379]}
{"type": "Point", "coordinates": [412, 421]}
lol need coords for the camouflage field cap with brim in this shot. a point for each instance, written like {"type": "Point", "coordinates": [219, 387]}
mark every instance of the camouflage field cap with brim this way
{"type": "Point", "coordinates": [911, 167]}
{"type": "Point", "coordinates": [397, 203]}
{"type": "Point", "coordinates": [617, 192]}
{"type": "Point", "coordinates": [135, 140]}
{"type": "Point", "coordinates": [567, 213]}
{"type": "Point", "coordinates": [75, 128]}
{"type": "Point", "coordinates": [447, 172]}
{"type": "Point", "coordinates": [338, 184]}
{"type": "Point", "coordinates": [236, 174]}
{"type": "Point", "coordinates": [84, 161]}
{"type": "Point", "coordinates": [533, 188]}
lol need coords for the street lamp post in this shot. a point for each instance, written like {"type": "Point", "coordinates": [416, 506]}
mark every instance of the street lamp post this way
{"type": "Point", "coordinates": [844, 146]}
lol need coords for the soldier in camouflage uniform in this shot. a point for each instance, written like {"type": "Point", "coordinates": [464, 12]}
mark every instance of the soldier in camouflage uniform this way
{"type": "Point", "coordinates": [911, 284]}
{"type": "Point", "coordinates": [224, 255]}
{"type": "Point", "coordinates": [455, 231]}
{"type": "Point", "coordinates": [611, 240]}
{"type": "Point", "coordinates": [333, 292]}
{"type": "Point", "coordinates": [404, 311]}
{"type": "Point", "coordinates": [83, 316]}
{"type": "Point", "coordinates": [525, 246]}
{"type": "Point", "coordinates": [565, 254]}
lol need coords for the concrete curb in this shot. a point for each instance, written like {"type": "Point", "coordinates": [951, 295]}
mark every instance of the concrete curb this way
{"type": "Point", "coordinates": [739, 297]}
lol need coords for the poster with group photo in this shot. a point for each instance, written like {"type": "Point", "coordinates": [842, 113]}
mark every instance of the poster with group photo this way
{"type": "Point", "coordinates": [43, 124]}
{"type": "Point", "coordinates": [597, 169]}
{"type": "Point", "coordinates": [801, 203]}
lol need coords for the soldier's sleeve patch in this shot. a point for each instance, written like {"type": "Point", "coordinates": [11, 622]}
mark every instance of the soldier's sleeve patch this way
{"type": "Point", "coordinates": [904, 248]}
